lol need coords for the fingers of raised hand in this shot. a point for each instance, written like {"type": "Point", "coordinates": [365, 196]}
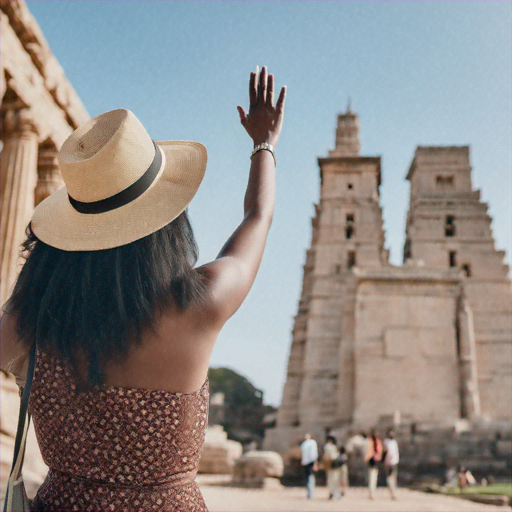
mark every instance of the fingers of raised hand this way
{"type": "Point", "coordinates": [253, 92]}
{"type": "Point", "coordinates": [281, 100]}
{"type": "Point", "coordinates": [261, 91]}
{"type": "Point", "coordinates": [243, 115]}
{"type": "Point", "coordinates": [262, 86]}
{"type": "Point", "coordinates": [270, 90]}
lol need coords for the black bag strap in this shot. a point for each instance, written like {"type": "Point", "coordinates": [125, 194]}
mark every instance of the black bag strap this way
{"type": "Point", "coordinates": [24, 416]}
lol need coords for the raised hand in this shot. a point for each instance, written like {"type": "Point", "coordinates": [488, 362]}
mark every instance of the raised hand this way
{"type": "Point", "coordinates": [232, 274]}
{"type": "Point", "coordinates": [264, 121]}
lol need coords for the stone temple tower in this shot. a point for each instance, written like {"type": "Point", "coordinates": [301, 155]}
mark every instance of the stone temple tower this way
{"type": "Point", "coordinates": [448, 226]}
{"type": "Point", "coordinates": [425, 344]}
{"type": "Point", "coordinates": [347, 232]}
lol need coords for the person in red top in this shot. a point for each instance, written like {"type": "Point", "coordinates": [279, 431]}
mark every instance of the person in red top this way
{"type": "Point", "coordinates": [373, 458]}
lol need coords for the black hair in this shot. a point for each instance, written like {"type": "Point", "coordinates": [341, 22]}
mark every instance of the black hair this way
{"type": "Point", "coordinates": [332, 439]}
{"type": "Point", "coordinates": [93, 306]}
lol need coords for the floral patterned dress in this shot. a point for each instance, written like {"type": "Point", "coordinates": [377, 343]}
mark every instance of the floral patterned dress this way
{"type": "Point", "coordinates": [116, 449]}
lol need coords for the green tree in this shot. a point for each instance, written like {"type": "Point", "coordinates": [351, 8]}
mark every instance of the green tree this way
{"type": "Point", "coordinates": [244, 411]}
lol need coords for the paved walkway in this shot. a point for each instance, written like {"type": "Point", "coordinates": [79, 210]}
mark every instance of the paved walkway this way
{"type": "Point", "coordinates": [222, 498]}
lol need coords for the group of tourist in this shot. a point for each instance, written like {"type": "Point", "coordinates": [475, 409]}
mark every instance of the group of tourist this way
{"type": "Point", "coordinates": [379, 453]}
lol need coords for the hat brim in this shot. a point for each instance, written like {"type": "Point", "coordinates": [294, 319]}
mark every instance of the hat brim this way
{"type": "Point", "coordinates": [59, 225]}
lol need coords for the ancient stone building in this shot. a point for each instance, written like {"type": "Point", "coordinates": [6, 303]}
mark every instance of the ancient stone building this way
{"type": "Point", "coordinates": [39, 110]}
{"type": "Point", "coordinates": [448, 225]}
{"type": "Point", "coordinates": [425, 343]}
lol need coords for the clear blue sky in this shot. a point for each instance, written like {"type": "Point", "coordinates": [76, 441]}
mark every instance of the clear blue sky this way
{"type": "Point", "coordinates": [418, 73]}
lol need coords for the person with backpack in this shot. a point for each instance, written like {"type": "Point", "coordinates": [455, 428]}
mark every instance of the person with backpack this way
{"type": "Point", "coordinates": [332, 469]}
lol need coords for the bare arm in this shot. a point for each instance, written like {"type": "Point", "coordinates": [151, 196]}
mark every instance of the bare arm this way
{"type": "Point", "coordinates": [232, 274]}
{"type": "Point", "coordinates": [10, 346]}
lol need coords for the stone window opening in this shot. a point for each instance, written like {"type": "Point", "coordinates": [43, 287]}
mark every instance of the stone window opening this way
{"type": "Point", "coordinates": [452, 258]}
{"type": "Point", "coordinates": [444, 182]}
{"type": "Point", "coordinates": [407, 249]}
{"type": "Point", "coordinates": [466, 268]}
{"type": "Point", "coordinates": [351, 259]}
{"type": "Point", "coordinates": [350, 229]}
{"type": "Point", "coordinates": [449, 226]}
{"type": "Point", "coordinates": [350, 186]}
{"type": "Point", "coordinates": [337, 269]}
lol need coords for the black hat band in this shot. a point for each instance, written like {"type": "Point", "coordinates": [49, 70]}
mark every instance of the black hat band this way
{"type": "Point", "coordinates": [125, 196]}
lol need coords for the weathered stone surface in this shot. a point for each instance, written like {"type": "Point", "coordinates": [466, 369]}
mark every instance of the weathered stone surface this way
{"type": "Point", "coordinates": [35, 75]}
{"type": "Point", "coordinates": [254, 468]}
{"type": "Point", "coordinates": [219, 453]}
{"type": "Point", "coordinates": [448, 225]}
{"type": "Point", "coordinates": [49, 179]}
{"type": "Point", "coordinates": [18, 172]}
{"type": "Point", "coordinates": [39, 110]}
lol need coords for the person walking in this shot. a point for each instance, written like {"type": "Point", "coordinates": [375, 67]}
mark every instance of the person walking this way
{"type": "Point", "coordinates": [121, 321]}
{"type": "Point", "coordinates": [343, 465]}
{"type": "Point", "coordinates": [391, 459]}
{"type": "Point", "coordinates": [373, 459]}
{"type": "Point", "coordinates": [309, 461]}
{"type": "Point", "coordinates": [332, 470]}
{"type": "Point", "coordinates": [462, 480]}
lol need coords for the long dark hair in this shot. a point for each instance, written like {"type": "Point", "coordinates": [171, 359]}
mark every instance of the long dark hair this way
{"type": "Point", "coordinates": [95, 305]}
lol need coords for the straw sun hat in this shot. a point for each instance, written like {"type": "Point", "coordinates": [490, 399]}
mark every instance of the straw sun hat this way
{"type": "Point", "coordinates": [120, 185]}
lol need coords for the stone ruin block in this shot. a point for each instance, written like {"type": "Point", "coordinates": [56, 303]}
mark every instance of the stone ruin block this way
{"type": "Point", "coordinates": [219, 453]}
{"type": "Point", "coordinates": [258, 469]}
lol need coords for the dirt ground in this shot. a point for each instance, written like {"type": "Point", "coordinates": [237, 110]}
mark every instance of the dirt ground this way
{"type": "Point", "coordinates": [220, 497]}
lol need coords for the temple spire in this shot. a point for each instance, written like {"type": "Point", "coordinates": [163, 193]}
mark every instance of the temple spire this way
{"type": "Point", "coordinates": [347, 134]}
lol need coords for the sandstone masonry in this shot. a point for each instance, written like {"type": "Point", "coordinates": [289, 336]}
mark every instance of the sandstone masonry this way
{"type": "Point", "coordinates": [427, 343]}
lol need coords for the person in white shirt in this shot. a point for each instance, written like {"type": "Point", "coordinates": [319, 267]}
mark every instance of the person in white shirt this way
{"type": "Point", "coordinates": [309, 461]}
{"type": "Point", "coordinates": [391, 460]}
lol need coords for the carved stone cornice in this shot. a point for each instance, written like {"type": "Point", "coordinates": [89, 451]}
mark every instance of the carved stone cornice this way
{"type": "Point", "coordinates": [28, 32]}
{"type": "Point", "coordinates": [36, 75]}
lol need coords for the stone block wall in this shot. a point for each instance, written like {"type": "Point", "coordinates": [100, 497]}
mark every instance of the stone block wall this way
{"type": "Point", "coordinates": [405, 347]}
